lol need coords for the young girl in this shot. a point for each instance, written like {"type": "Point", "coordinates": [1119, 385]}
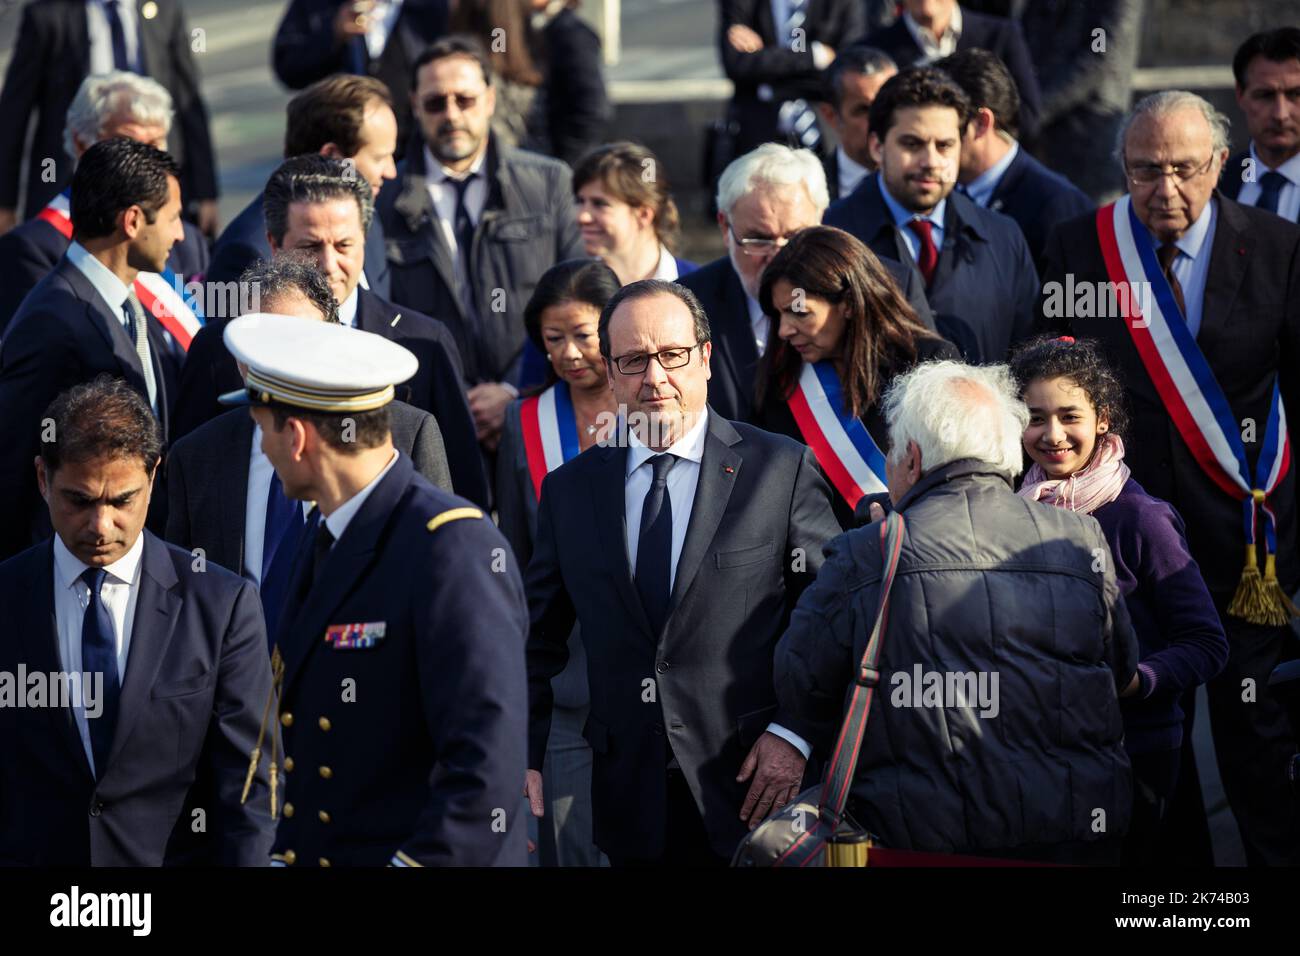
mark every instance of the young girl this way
{"type": "Point", "coordinates": [1076, 417]}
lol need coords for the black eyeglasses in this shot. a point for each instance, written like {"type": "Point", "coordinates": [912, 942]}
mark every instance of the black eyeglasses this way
{"type": "Point", "coordinates": [438, 104]}
{"type": "Point", "coordinates": [638, 362]}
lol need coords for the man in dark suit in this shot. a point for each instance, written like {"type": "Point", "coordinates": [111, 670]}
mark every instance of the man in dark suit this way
{"type": "Point", "coordinates": [170, 662]}
{"type": "Point", "coordinates": [343, 117]}
{"type": "Point", "coordinates": [106, 106]}
{"type": "Point", "coordinates": [1267, 174]}
{"type": "Point", "coordinates": [776, 67]}
{"type": "Point", "coordinates": [382, 39]}
{"type": "Point", "coordinates": [995, 171]}
{"type": "Point", "coordinates": [929, 30]}
{"type": "Point", "coordinates": [84, 317]}
{"type": "Point", "coordinates": [230, 505]}
{"type": "Point", "coordinates": [978, 272]}
{"type": "Point", "coordinates": [1233, 277]}
{"type": "Point", "coordinates": [852, 83]}
{"type": "Point", "coordinates": [681, 552]}
{"type": "Point", "coordinates": [59, 43]}
{"type": "Point", "coordinates": [472, 224]}
{"type": "Point", "coordinates": [313, 206]}
{"type": "Point", "coordinates": [401, 691]}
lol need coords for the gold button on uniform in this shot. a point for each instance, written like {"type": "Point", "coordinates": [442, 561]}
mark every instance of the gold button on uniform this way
{"type": "Point", "coordinates": [324, 862]}
{"type": "Point", "coordinates": [326, 772]}
{"type": "Point", "coordinates": [288, 809]}
{"type": "Point", "coordinates": [290, 857]}
{"type": "Point", "coordinates": [287, 719]}
{"type": "Point", "coordinates": [324, 817]}
{"type": "Point", "coordinates": [325, 723]}
{"type": "Point", "coordinates": [288, 764]}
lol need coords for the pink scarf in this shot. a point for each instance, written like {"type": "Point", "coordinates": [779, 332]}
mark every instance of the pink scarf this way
{"type": "Point", "coordinates": [1086, 490]}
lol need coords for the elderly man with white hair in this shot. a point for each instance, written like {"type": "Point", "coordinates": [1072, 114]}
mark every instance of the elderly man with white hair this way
{"type": "Point", "coordinates": [995, 728]}
{"type": "Point", "coordinates": [1208, 345]}
{"type": "Point", "coordinates": [764, 198]}
{"type": "Point", "coordinates": [111, 104]}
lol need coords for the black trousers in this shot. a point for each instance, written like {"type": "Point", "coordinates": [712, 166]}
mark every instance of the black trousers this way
{"type": "Point", "coordinates": [1155, 780]}
{"type": "Point", "coordinates": [1255, 741]}
{"type": "Point", "coordinates": [687, 843]}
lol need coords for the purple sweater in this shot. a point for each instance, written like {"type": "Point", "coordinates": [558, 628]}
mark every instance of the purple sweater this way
{"type": "Point", "coordinates": [1180, 638]}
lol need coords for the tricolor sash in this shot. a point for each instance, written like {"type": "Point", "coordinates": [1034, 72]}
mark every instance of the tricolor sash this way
{"type": "Point", "coordinates": [157, 291]}
{"type": "Point", "coordinates": [550, 428]}
{"type": "Point", "coordinates": [843, 446]}
{"type": "Point", "coordinates": [1199, 409]}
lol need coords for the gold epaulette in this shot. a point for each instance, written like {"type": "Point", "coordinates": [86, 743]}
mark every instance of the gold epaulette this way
{"type": "Point", "coordinates": [453, 514]}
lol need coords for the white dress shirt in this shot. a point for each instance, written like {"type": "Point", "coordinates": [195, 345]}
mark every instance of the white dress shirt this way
{"type": "Point", "coordinates": [379, 25]}
{"type": "Point", "coordinates": [850, 170]}
{"type": "Point", "coordinates": [114, 293]}
{"type": "Point", "coordinates": [683, 479]}
{"type": "Point", "coordinates": [119, 592]}
{"type": "Point", "coordinates": [759, 323]}
{"type": "Point", "coordinates": [980, 190]}
{"type": "Point", "coordinates": [1288, 200]}
{"type": "Point", "coordinates": [338, 522]}
{"type": "Point", "coordinates": [932, 47]}
{"type": "Point", "coordinates": [1192, 264]}
{"type": "Point", "coordinates": [443, 194]}
{"type": "Point", "coordinates": [348, 309]}
{"type": "Point", "coordinates": [101, 35]}
{"type": "Point", "coordinates": [259, 488]}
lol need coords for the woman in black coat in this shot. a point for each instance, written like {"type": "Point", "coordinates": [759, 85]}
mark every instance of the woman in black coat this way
{"type": "Point", "coordinates": [840, 330]}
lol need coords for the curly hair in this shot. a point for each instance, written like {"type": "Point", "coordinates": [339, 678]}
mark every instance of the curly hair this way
{"type": "Point", "coordinates": [1082, 362]}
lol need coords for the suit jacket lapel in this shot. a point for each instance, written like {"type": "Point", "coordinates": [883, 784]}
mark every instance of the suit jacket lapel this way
{"type": "Point", "coordinates": [108, 323]}
{"type": "Point", "coordinates": [157, 609]}
{"type": "Point", "coordinates": [344, 567]}
{"type": "Point", "coordinates": [38, 630]}
{"type": "Point", "coordinates": [1230, 253]}
{"type": "Point", "coordinates": [1009, 181]}
{"type": "Point", "coordinates": [712, 493]}
{"type": "Point", "coordinates": [153, 45]}
{"type": "Point", "coordinates": [608, 480]}
{"type": "Point", "coordinates": [232, 488]}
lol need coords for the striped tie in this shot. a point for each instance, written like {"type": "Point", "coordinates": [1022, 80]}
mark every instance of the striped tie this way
{"type": "Point", "coordinates": [140, 336]}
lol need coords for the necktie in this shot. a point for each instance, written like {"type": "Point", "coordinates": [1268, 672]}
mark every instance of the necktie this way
{"type": "Point", "coordinates": [654, 550]}
{"type": "Point", "coordinates": [463, 226]}
{"type": "Point", "coordinates": [1167, 254]}
{"type": "Point", "coordinates": [320, 550]}
{"type": "Point", "coordinates": [99, 656]}
{"type": "Point", "coordinates": [140, 336]}
{"type": "Point", "coordinates": [280, 538]}
{"type": "Point", "coordinates": [928, 256]}
{"type": "Point", "coordinates": [120, 59]}
{"type": "Point", "coordinates": [796, 118]}
{"type": "Point", "coordinates": [1270, 188]}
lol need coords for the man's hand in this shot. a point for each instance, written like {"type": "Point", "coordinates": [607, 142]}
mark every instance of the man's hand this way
{"type": "Point", "coordinates": [743, 39]}
{"type": "Point", "coordinates": [1134, 686]}
{"type": "Point", "coordinates": [779, 775]}
{"type": "Point", "coordinates": [8, 219]}
{"type": "Point", "coordinates": [206, 214]}
{"type": "Point", "coordinates": [533, 791]}
{"type": "Point", "coordinates": [487, 403]}
{"type": "Point", "coordinates": [351, 20]}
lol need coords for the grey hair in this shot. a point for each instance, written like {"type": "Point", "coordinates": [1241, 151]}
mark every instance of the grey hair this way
{"type": "Point", "coordinates": [101, 95]}
{"type": "Point", "coordinates": [313, 179]}
{"type": "Point", "coordinates": [933, 406]}
{"type": "Point", "coordinates": [777, 165]}
{"type": "Point", "coordinates": [291, 272]}
{"type": "Point", "coordinates": [1171, 101]}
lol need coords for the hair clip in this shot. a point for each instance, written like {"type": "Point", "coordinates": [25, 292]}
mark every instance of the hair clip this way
{"type": "Point", "coordinates": [1067, 339]}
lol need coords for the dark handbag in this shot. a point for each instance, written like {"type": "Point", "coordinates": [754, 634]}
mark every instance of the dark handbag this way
{"type": "Point", "coordinates": [813, 829]}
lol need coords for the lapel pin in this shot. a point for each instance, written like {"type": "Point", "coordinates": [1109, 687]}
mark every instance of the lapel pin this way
{"type": "Point", "coordinates": [397, 318]}
{"type": "Point", "coordinates": [149, 10]}
{"type": "Point", "coordinates": [728, 469]}
{"type": "Point", "coordinates": [1241, 250]}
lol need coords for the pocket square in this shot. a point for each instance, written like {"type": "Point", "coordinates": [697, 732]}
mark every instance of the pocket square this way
{"type": "Point", "coordinates": [355, 637]}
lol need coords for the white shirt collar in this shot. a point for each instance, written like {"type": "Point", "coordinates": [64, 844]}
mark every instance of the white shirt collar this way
{"type": "Point", "coordinates": [1290, 169]}
{"type": "Point", "coordinates": [932, 46]}
{"type": "Point", "coordinates": [439, 173]}
{"type": "Point", "coordinates": [348, 309]}
{"type": "Point", "coordinates": [344, 513]}
{"type": "Point", "coordinates": [981, 188]}
{"type": "Point", "coordinates": [851, 171]}
{"type": "Point", "coordinates": [690, 446]}
{"type": "Point", "coordinates": [1191, 242]}
{"type": "Point", "coordinates": [110, 287]}
{"type": "Point", "coordinates": [68, 567]}
{"type": "Point", "coordinates": [666, 268]}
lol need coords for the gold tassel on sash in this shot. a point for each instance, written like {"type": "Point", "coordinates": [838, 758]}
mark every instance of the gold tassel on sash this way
{"type": "Point", "coordinates": [272, 705]}
{"type": "Point", "coordinates": [1261, 600]}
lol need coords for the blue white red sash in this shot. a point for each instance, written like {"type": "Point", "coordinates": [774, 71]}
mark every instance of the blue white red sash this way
{"type": "Point", "coordinates": [842, 444]}
{"type": "Point", "coordinates": [157, 291]}
{"type": "Point", "coordinates": [1187, 387]}
{"type": "Point", "coordinates": [550, 428]}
